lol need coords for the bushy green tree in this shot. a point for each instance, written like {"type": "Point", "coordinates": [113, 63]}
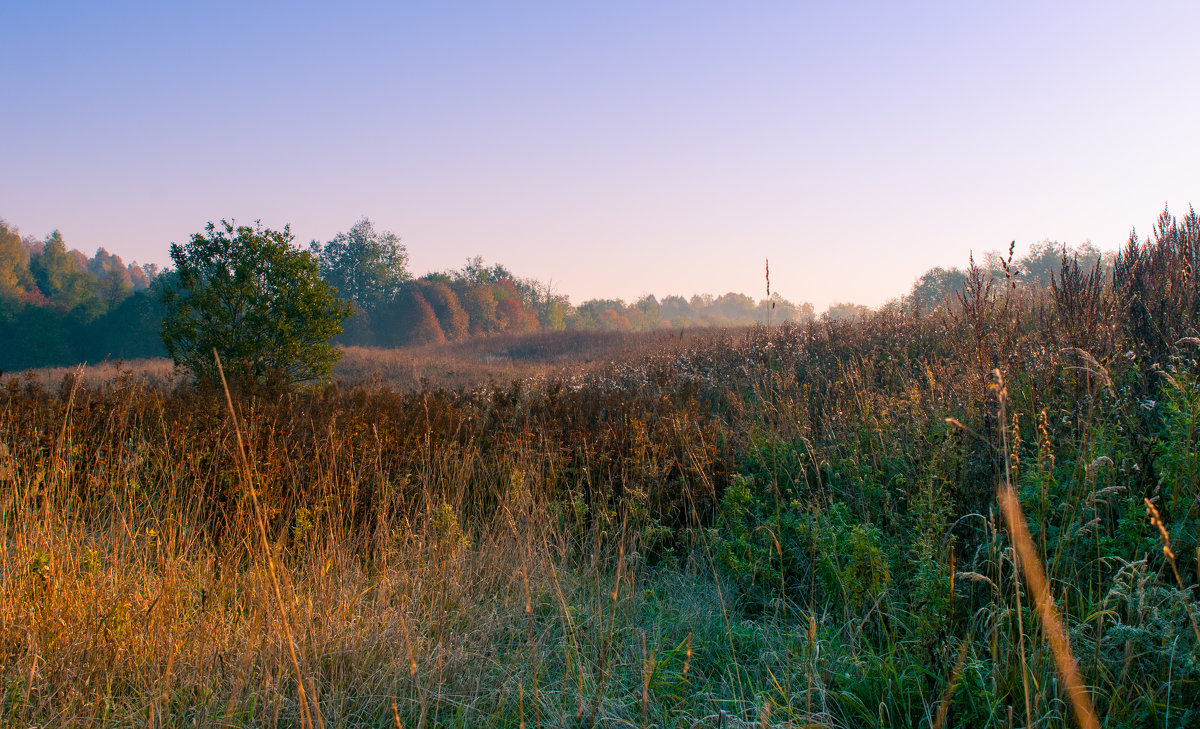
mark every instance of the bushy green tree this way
{"type": "Point", "coordinates": [651, 311]}
{"type": "Point", "coordinates": [737, 309]}
{"type": "Point", "coordinates": [261, 303]}
{"type": "Point", "coordinates": [60, 275]}
{"type": "Point", "coordinates": [114, 282]}
{"type": "Point", "coordinates": [364, 265]}
{"type": "Point", "coordinates": [674, 308]}
{"type": "Point", "coordinates": [936, 287]}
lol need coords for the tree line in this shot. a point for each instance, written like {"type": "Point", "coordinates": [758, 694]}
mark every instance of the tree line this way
{"type": "Point", "coordinates": [59, 306]}
{"type": "Point", "coordinates": [392, 308]}
{"type": "Point", "coordinates": [936, 287]}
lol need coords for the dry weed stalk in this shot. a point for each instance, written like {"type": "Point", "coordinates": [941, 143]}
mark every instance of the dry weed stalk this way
{"type": "Point", "coordinates": [306, 713]}
{"type": "Point", "coordinates": [1056, 635]}
{"type": "Point", "coordinates": [346, 534]}
{"type": "Point", "coordinates": [1031, 566]}
{"type": "Point", "coordinates": [1165, 536]}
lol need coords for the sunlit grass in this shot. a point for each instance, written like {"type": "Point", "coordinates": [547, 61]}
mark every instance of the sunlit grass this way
{"type": "Point", "coordinates": [786, 527]}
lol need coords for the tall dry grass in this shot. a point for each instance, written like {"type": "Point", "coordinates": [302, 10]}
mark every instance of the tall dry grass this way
{"type": "Point", "coordinates": [759, 527]}
{"type": "Point", "coordinates": [421, 561]}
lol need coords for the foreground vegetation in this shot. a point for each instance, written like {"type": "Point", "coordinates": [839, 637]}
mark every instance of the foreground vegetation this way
{"type": "Point", "coordinates": [768, 527]}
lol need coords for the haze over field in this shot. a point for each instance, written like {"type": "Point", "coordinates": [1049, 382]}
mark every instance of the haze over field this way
{"type": "Point", "coordinates": [512, 428]}
{"type": "Point", "coordinates": [611, 149]}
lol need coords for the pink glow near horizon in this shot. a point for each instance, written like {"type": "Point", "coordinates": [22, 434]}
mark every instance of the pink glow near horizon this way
{"type": "Point", "coordinates": [613, 149]}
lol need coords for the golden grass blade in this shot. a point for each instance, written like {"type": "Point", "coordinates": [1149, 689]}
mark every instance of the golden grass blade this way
{"type": "Point", "coordinates": [306, 717]}
{"type": "Point", "coordinates": [1035, 578]}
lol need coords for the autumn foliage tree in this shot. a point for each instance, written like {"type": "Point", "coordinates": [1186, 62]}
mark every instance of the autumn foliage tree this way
{"type": "Point", "coordinates": [422, 326]}
{"type": "Point", "coordinates": [480, 305]}
{"type": "Point", "coordinates": [451, 316]}
{"type": "Point", "coordinates": [610, 320]}
{"type": "Point", "coordinates": [15, 277]}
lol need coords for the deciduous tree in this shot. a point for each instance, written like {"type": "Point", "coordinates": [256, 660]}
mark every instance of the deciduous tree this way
{"type": "Point", "coordinates": [365, 266]}
{"type": "Point", "coordinates": [261, 303]}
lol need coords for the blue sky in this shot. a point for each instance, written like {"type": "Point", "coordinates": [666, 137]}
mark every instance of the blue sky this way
{"type": "Point", "coordinates": [614, 148]}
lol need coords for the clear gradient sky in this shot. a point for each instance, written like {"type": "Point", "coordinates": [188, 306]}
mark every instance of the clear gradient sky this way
{"type": "Point", "coordinates": [614, 148]}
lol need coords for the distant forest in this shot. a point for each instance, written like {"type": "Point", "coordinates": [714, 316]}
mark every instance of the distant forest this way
{"type": "Point", "coordinates": [60, 307]}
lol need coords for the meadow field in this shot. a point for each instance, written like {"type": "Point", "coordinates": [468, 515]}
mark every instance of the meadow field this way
{"type": "Point", "coordinates": [483, 361]}
{"type": "Point", "coordinates": [793, 526]}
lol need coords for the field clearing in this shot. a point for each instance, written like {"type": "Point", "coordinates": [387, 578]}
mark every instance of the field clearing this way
{"type": "Point", "coordinates": [497, 359]}
{"type": "Point", "coordinates": [794, 526]}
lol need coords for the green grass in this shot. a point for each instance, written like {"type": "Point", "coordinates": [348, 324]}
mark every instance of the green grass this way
{"type": "Point", "coordinates": [743, 528]}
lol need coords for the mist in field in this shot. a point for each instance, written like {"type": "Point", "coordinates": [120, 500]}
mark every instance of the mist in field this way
{"type": "Point", "coordinates": [655, 365]}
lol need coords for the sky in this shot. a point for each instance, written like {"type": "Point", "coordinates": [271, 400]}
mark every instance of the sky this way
{"type": "Point", "coordinates": [612, 149]}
